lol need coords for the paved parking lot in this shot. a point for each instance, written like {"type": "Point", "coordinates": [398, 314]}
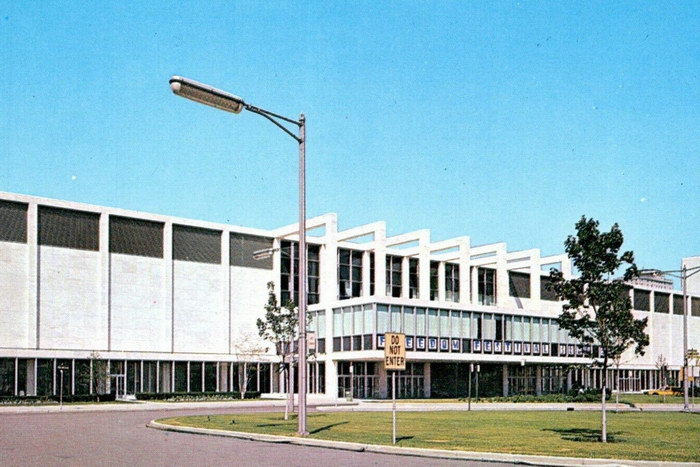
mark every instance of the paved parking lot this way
{"type": "Point", "coordinates": [121, 438]}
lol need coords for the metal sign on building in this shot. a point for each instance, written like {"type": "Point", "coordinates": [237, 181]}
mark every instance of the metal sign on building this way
{"type": "Point", "coordinates": [395, 351]}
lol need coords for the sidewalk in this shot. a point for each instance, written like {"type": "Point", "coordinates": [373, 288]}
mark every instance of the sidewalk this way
{"type": "Point", "coordinates": [418, 452]}
{"type": "Point", "coordinates": [383, 406]}
{"type": "Point", "coordinates": [313, 400]}
{"type": "Point", "coordinates": [328, 403]}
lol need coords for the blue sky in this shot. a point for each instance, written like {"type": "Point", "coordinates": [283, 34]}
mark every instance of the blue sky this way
{"type": "Point", "coordinates": [504, 121]}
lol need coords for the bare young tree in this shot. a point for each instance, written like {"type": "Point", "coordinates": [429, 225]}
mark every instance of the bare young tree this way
{"type": "Point", "coordinates": [248, 350]}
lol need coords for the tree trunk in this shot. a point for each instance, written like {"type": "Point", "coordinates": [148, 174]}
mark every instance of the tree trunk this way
{"type": "Point", "coordinates": [604, 420]}
{"type": "Point", "coordinates": [617, 393]}
{"type": "Point", "coordinates": [242, 387]}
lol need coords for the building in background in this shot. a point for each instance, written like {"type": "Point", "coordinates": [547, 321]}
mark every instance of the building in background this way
{"type": "Point", "coordinates": [167, 302]}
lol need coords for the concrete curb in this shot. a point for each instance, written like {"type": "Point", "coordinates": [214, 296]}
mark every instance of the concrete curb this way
{"type": "Point", "coordinates": [523, 459]}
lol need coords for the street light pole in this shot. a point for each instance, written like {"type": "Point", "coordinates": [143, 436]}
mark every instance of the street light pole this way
{"type": "Point", "coordinates": [222, 100]}
{"type": "Point", "coordinates": [684, 277]}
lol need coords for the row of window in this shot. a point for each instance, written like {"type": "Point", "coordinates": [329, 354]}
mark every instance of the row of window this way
{"type": "Point", "coordinates": [663, 301]}
{"type": "Point", "coordinates": [68, 228]}
{"type": "Point", "coordinates": [377, 319]}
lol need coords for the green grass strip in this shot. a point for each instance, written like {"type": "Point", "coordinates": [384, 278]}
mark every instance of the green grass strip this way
{"type": "Point", "coordinates": [639, 436]}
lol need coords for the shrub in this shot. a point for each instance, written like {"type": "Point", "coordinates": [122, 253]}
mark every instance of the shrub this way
{"type": "Point", "coordinates": [195, 396]}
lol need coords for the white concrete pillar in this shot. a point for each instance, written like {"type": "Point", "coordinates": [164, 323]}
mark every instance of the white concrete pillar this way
{"type": "Point", "coordinates": [383, 381]}
{"type": "Point", "coordinates": [405, 277]}
{"type": "Point", "coordinates": [535, 280]}
{"type": "Point", "coordinates": [33, 275]}
{"type": "Point", "coordinates": [427, 379]}
{"type": "Point", "coordinates": [464, 262]}
{"type": "Point", "coordinates": [331, 368]}
{"type": "Point", "coordinates": [538, 380]}
{"type": "Point", "coordinates": [104, 283]}
{"type": "Point", "coordinates": [226, 289]}
{"type": "Point", "coordinates": [329, 262]}
{"type": "Point", "coordinates": [442, 293]}
{"type": "Point", "coordinates": [505, 380]}
{"type": "Point", "coordinates": [501, 276]}
{"type": "Point", "coordinates": [380, 261]}
{"type": "Point", "coordinates": [424, 266]}
{"type": "Point", "coordinates": [474, 273]}
{"type": "Point", "coordinates": [168, 283]}
{"type": "Point", "coordinates": [366, 274]}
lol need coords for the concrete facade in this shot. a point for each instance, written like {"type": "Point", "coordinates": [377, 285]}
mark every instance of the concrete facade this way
{"type": "Point", "coordinates": [166, 323]}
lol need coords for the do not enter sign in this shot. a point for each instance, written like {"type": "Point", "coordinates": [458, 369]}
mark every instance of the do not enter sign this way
{"type": "Point", "coordinates": [395, 351]}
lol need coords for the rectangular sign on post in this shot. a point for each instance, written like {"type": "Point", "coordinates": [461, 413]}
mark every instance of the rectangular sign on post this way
{"type": "Point", "coordinates": [395, 351]}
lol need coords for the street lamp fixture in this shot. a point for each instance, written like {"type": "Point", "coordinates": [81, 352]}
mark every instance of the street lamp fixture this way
{"type": "Point", "coordinates": [222, 100]}
{"type": "Point", "coordinates": [683, 274]}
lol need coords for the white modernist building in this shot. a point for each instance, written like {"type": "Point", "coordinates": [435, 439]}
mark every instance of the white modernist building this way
{"type": "Point", "coordinates": [171, 305]}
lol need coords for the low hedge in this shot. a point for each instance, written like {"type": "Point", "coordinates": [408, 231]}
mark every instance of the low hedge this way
{"type": "Point", "coordinates": [195, 396]}
{"type": "Point", "coordinates": [37, 400]}
{"type": "Point", "coordinates": [588, 395]}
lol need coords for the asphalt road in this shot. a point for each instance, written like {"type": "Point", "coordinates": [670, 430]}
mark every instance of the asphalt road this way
{"type": "Point", "coordinates": [121, 439]}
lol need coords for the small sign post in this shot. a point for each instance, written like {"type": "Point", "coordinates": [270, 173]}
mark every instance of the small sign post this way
{"type": "Point", "coordinates": [394, 360]}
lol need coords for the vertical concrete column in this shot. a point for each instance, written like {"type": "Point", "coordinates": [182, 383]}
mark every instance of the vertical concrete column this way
{"type": "Point", "coordinates": [33, 280]}
{"type": "Point", "coordinates": [568, 380]}
{"type": "Point", "coordinates": [16, 376]}
{"type": "Point", "coordinates": [405, 277]}
{"type": "Point", "coordinates": [427, 380]}
{"type": "Point", "coordinates": [366, 274]}
{"type": "Point", "coordinates": [329, 262]}
{"type": "Point", "coordinates": [442, 293]}
{"type": "Point", "coordinates": [535, 280]}
{"type": "Point", "coordinates": [380, 260]}
{"type": "Point", "coordinates": [538, 380]}
{"type": "Point", "coordinates": [505, 380]}
{"type": "Point", "coordinates": [226, 289]}
{"type": "Point", "coordinates": [464, 268]}
{"type": "Point", "coordinates": [501, 276]}
{"type": "Point", "coordinates": [276, 267]}
{"type": "Point", "coordinates": [31, 377]}
{"type": "Point", "coordinates": [331, 367]}
{"type": "Point", "coordinates": [424, 266]}
{"type": "Point", "coordinates": [157, 375]}
{"type": "Point", "coordinates": [474, 273]}
{"type": "Point", "coordinates": [383, 381]}
{"type": "Point", "coordinates": [105, 279]}
{"type": "Point", "coordinates": [168, 280]}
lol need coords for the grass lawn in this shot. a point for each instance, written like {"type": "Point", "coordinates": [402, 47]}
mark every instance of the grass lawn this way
{"type": "Point", "coordinates": [650, 436]}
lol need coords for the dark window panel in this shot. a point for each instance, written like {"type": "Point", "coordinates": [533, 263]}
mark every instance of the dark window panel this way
{"type": "Point", "coordinates": [545, 293]}
{"type": "Point", "coordinates": [661, 302]}
{"type": "Point", "coordinates": [678, 304]}
{"type": "Point", "coordinates": [642, 300]}
{"type": "Point", "coordinates": [13, 222]}
{"type": "Point", "coordinates": [695, 306]}
{"type": "Point", "coordinates": [196, 244]}
{"type": "Point", "coordinates": [519, 284]}
{"type": "Point", "coordinates": [135, 237]}
{"type": "Point", "coordinates": [67, 228]}
{"type": "Point", "coordinates": [242, 248]}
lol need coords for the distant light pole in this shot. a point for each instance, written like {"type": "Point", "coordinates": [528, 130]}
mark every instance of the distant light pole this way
{"type": "Point", "coordinates": [61, 368]}
{"type": "Point", "coordinates": [683, 275]}
{"type": "Point", "coordinates": [222, 100]}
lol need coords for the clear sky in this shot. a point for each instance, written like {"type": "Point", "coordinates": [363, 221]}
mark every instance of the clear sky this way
{"type": "Point", "coordinates": [504, 121]}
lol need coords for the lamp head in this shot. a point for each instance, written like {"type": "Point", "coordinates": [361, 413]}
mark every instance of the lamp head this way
{"type": "Point", "coordinates": [207, 95]}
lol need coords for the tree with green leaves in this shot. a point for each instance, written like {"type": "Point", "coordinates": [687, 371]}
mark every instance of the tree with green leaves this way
{"type": "Point", "coordinates": [280, 325]}
{"type": "Point", "coordinates": [98, 376]}
{"type": "Point", "coordinates": [597, 308]}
